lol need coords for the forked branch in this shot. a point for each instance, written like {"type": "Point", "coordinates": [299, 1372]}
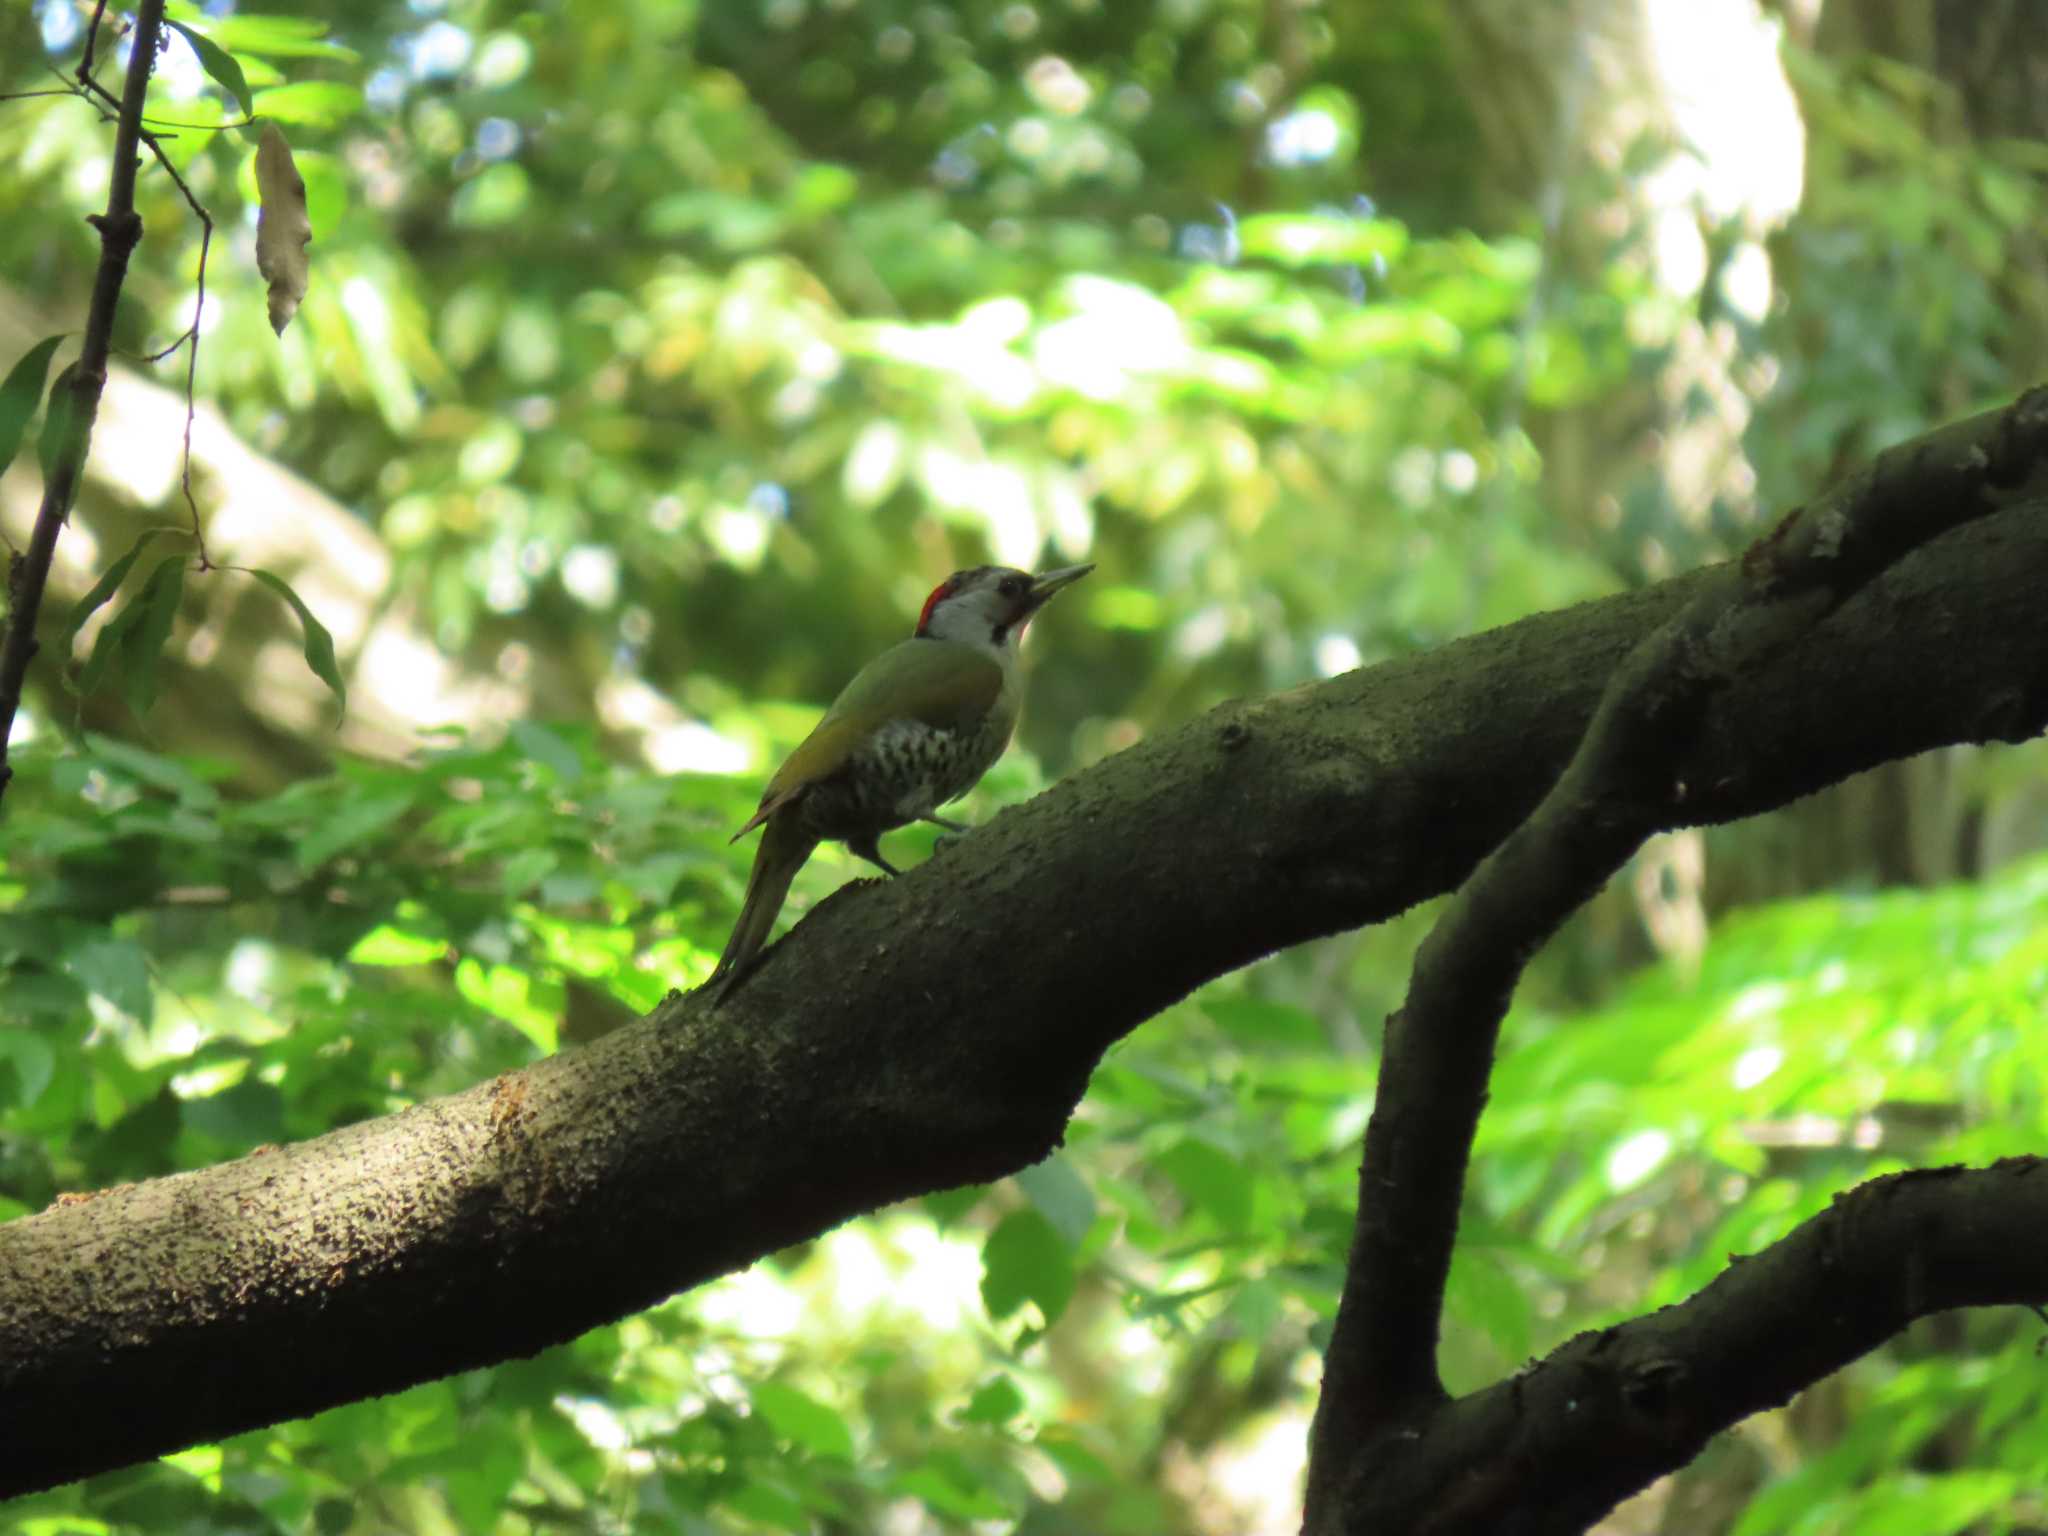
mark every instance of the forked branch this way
{"type": "Point", "coordinates": [1629, 778]}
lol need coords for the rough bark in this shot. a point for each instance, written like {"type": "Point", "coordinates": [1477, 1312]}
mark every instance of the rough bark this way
{"type": "Point", "coordinates": [1551, 1449]}
{"type": "Point", "coordinates": [1382, 1396]}
{"type": "Point", "coordinates": [929, 1031]}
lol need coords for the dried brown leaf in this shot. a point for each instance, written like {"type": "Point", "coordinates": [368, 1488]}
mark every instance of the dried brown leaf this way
{"type": "Point", "coordinates": [282, 229]}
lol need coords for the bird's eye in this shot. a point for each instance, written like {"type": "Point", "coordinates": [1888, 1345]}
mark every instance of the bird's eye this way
{"type": "Point", "coordinates": [1011, 586]}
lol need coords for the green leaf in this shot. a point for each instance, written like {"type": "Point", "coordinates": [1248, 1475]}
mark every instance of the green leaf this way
{"type": "Point", "coordinates": [386, 945]}
{"type": "Point", "coordinates": [156, 607]}
{"type": "Point", "coordinates": [994, 1402]}
{"type": "Point", "coordinates": [1254, 1021]}
{"type": "Point", "coordinates": [479, 1475]}
{"type": "Point", "coordinates": [218, 63]}
{"type": "Point", "coordinates": [1315, 239]}
{"type": "Point", "coordinates": [156, 770]}
{"type": "Point", "coordinates": [1061, 1195]}
{"type": "Point", "coordinates": [543, 746]}
{"type": "Point", "coordinates": [949, 1487]}
{"type": "Point", "coordinates": [141, 1138]}
{"type": "Point", "coordinates": [66, 434]}
{"type": "Point", "coordinates": [1480, 1289]}
{"type": "Point", "coordinates": [355, 822]}
{"type": "Point", "coordinates": [115, 969]}
{"type": "Point", "coordinates": [947, 1206]}
{"type": "Point", "coordinates": [803, 1420]}
{"type": "Point", "coordinates": [33, 1061]}
{"type": "Point", "coordinates": [508, 993]}
{"type": "Point", "coordinates": [1074, 1458]}
{"type": "Point", "coordinates": [103, 589]}
{"type": "Point", "coordinates": [1211, 1181]}
{"type": "Point", "coordinates": [319, 103]}
{"type": "Point", "coordinates": [1026, 1259]}
{"type": "Point", "coordinates": [765, 1504]}
{"type": "Point", "coordinates": [319, 643]}
{"type": "Point", "coordinates": [1256, 1309]}
{"type": "Point", "coordinates": [248, 1114]}
{"type": "Point", "coordinates": [202, 1463]}
{"type": "Point", "coordinates": [326, 186]}
{"type": "Point", "coordinates": [277, 37]}
{"type": "Point", "coordinates": [20, 394]}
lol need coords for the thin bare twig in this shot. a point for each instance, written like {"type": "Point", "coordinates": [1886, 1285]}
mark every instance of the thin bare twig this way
{"type": "Point", "coordinates": [75, 397]}
{"type": "Point", "coordinates": [165, 122]}
{"type": "Point", "coordinates": [86, 63]}
{"type": "Point", "coordinates": [89, 89]}
{"type": "Point", "coordinates": [190, 333]}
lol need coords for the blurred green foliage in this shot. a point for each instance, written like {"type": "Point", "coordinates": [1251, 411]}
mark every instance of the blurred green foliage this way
{"type": "Point", "coordinates": [691, 345]}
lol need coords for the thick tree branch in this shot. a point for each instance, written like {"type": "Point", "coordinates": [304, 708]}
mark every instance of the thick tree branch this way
{"type": "Point", "coordinates": [928, 1031]}
{"type": "Point", "coordinates": [75, 397]}
{"type": "Point", "coordinates": [1549, 1451]}
{"type": "Point", "coordinates": [1628, 779]}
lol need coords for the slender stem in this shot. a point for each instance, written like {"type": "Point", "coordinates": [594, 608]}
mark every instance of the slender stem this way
{"type": "Point", "coordinates": [88, 60]}
{"type": "Point", "coordinates": [83, 382]}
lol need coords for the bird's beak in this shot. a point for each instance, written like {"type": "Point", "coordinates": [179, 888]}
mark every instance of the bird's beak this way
{"type": "Point", "coordinates": [1044, 586]}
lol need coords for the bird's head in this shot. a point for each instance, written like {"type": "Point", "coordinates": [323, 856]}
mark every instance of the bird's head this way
{"type": "Point", "coordinates": [990, 604]}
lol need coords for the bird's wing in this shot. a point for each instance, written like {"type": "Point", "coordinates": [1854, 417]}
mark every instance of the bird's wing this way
{"type": "Point", "coordinates": [938, 683]}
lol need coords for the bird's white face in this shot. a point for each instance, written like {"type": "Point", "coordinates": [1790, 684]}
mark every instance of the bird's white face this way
{"type": "Point", "coordinates": [988, 606]}
{"type": "Point", "coordinates": [979, 607]}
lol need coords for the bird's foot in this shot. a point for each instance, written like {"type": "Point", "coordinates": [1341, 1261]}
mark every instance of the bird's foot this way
{"type": "Point", "coordinates": [955, 830]}
{"type": "Point", "coordinates": [866, 849]}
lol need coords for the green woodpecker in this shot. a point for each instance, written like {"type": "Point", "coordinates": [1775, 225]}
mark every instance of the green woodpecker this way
{"type": "Point", "coordinates": [918, 726]}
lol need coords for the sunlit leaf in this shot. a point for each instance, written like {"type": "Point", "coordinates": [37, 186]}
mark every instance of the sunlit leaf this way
{"type": "Point", "coordinates": [1295, 239]}
{"type": "Point", "coordinates": [202, 1463]}
{"type": "Point", "coordinates": [803, 1420]}
{"type": "Point", "coordinates": [319, 644]}
{"type": "Point", "coordinates": [276, 36]}
{"type": "Point", "coordinates": [994, 1402]}
{"type": "Point", "coordinates": [386, 945]}
{"type": "Point", "coordinates": [218, 63]}
{"type": "Point", "coordinates": [509, 993]}
{"type": "Point", "coordinates": [313, 103]}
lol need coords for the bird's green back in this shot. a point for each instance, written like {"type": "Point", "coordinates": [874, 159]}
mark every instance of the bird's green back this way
{"type": "Point", "coordinates": [939, 683]}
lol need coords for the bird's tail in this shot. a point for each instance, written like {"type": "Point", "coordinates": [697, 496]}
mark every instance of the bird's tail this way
{"type": "Point", "coordinates": [784, 846]}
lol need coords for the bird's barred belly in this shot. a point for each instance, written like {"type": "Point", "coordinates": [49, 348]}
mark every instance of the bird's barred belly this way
{"type": "Point", "coordinates": [904, 771]}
